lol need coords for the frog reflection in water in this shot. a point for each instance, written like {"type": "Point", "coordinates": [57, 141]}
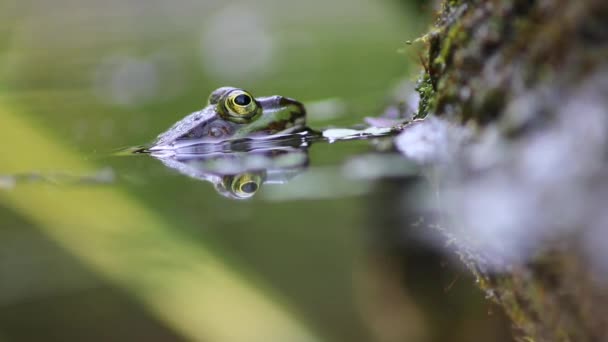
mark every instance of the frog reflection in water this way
{"type": "Point", "coordinates": [224, 143]}
{"type": "Point", "coordinates": [239, 175]}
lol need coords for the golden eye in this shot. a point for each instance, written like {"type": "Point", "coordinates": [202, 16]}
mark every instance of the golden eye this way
{"type": "Point", "coordinates": [246, 185]}
{"type": "Point", "coordinates": [240, 106]}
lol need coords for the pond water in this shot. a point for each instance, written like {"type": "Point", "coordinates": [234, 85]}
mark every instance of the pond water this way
{"type": "Point", "coordinates": [96, 245]}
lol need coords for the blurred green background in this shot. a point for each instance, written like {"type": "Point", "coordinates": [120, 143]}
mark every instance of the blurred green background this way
{"type": "Point", "coordinates": [158, 256]}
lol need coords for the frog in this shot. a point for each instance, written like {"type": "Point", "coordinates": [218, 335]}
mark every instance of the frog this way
{"type": "Point", "coordinates": [261, 139]}
{"type": "Point", "coordinates": [233, 113]}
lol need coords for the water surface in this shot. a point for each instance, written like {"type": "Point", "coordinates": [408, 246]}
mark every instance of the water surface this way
{"type": "Point", "coordinates": [96, 246]}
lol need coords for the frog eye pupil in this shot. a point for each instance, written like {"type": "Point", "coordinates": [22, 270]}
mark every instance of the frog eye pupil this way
{"type": "Point", "coordinates": [242, 100]}
{"type": "Point", "coordinates": [249, 187]}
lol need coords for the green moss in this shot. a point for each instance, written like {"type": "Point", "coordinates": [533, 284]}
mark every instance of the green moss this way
{"type": "Point", "coordinates": [427, 96]}
{"type": "Point", "coordinates": [449, 34]}
{"type": "Point", "coordinates": [480, 57]}
{"type": "Point", "coordinates": [455, 35]}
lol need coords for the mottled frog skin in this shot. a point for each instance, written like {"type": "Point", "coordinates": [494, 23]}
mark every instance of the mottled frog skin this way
{"type": "Point", "coordinates": [233, 113]}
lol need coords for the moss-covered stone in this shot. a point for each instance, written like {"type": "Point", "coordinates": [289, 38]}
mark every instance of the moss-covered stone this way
{"type": "Point", "coordinates": [482, 57]}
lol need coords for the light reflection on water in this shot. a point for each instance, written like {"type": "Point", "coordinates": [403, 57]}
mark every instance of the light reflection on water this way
{"type": "Point", "coordinates": [239, 167]}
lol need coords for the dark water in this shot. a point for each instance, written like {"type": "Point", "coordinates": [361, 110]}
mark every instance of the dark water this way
{"type": "Point", "coordinates": [98, 246]}
{"type": "Point", "coordinates": [325, 246]}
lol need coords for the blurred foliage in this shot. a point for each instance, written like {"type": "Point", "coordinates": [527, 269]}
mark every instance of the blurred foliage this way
{"type": "Point", "coordinates": [80, 79]}
{"type": "Point", "coordinates": [177, 279]}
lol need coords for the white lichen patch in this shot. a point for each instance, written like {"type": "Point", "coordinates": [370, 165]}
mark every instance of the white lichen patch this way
{"type": "Point", "coordinates": [430, 141]}
{"type": "Point", "coordinates": [510, 197]}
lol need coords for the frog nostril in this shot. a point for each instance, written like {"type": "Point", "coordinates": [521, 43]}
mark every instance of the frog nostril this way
{"type": "Point", "coordinates": [215, 132]}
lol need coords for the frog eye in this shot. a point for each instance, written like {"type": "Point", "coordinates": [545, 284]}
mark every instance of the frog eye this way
{"type": "Point", "coordinates": [246, 185]}
{"type": "Point", "coordinates": [240, 106]}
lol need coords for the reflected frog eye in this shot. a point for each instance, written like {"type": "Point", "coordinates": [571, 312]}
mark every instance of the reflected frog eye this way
{"type": "Point", "coordinates": [240, 106]}
{"type": "Point", "coordinates": [246, 185]}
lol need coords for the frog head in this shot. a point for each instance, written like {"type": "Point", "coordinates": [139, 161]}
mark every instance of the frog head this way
{"type": "Point", "coordinates": [233, 113]}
